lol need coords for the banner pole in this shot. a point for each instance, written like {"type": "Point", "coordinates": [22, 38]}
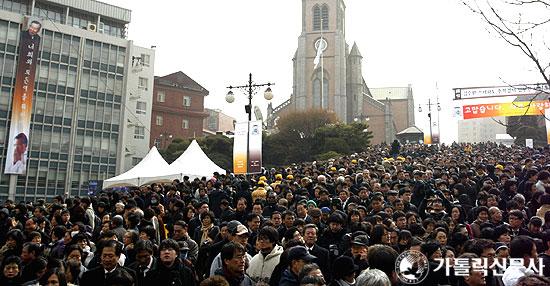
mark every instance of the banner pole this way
{"type": "Point", "coordinates": [11, 190]}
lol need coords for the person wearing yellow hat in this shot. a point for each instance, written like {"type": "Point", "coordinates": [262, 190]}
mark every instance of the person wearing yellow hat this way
{"type": "Point", "coordinates": [260, 192]}
{"type": "Point", "coordinates": [278, 181]}
{"type": "Point", "coordinates": [354, 161]}
{"type": "Point", "coordinates": [290, 177]}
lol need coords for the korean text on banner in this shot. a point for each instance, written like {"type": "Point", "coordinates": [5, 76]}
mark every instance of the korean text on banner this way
{"type": "Point", "coordinates": [255, 147]}
{"type": "Point", "coordinates": [18, 141]}
{"type": "Point", "coordinates": [505, 109]}
{"type": "Point", "coordinates": [240, 156]}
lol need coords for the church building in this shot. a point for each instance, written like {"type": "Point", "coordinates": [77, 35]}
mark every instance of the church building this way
{"type": "Point", "coordinates": [327, 74]}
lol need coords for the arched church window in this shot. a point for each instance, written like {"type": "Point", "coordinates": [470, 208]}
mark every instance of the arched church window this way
{"type": "Point", "coordinates": [316, 18]}
{"type": "Point", "coordinates": [320, 96]}
{"type": "Point", "coordinates": [324, 16]}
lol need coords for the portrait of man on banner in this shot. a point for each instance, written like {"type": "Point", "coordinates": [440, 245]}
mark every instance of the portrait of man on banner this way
{"type": "Point", "coordinates": [34, 29]}
{"type": "Point", "coordinates": [19, 164]}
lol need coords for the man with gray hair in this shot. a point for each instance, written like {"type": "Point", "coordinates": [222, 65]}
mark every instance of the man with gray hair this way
{"type": "Point", "coordinates": [373, 277]}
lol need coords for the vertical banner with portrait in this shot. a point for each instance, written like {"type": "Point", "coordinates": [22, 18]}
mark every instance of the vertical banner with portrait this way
{"type": "Point", "coordinates": [240, 155]}
{"type": "Point", "coordinates": [18, 141]}
{"type": "Point", "coordinates": [255, 147]}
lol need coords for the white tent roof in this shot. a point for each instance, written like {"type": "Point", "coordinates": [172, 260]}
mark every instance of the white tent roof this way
{"type": "Point", "coordinates": [194, 163]}
{"type": "Point", "coordinates": [151, 166]}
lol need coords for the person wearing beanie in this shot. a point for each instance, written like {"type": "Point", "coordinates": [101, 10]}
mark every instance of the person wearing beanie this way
{"type": "Point", "coordinates": [260, 192]}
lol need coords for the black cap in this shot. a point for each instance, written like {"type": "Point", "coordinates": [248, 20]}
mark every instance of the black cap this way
{"type": "Point", "coordinates": [300, 252]}
{"type": "Point", "coordinates": [361, 240]}
{"type": "Point", "coordinates": [344, 266]}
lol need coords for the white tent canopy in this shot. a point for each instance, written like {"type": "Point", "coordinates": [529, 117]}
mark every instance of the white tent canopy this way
{"type": "Point", "coordinates": [193, 163]}
{"type": "Point", "coordinates": [153, 165]}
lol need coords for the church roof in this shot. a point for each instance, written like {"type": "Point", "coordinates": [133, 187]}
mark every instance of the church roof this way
{"type": "Point", "coordinates": [355, 51]}
{"type": "Point", "coordinates": [180, 80]}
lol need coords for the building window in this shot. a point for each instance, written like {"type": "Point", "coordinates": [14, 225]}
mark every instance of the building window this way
{"type": "Point", "coordinates": [145, 59]}
{"type": "Point", "coordinates": [161, 96]}
{"type": "Point", "coordinates": [141, 107]}
{"type": "Point", "coordinates": [320, 96]}
{"type": "Point", "coordinates": [186, 101]}
{"type": "Point", "coordinates": [324, 16]}
{"type": "Point", "coordinates": [316, 18]}
{"type": "Point", "coordinates": [159, 120]}
{"type": "Point", "coordinates": [139, 132]}
{"type": "Point", "coordinates": [143, 82]}
{"type": "Point", "coordinates": [185, 124]}
{"type": "Point", "coordinates": [136, 160]}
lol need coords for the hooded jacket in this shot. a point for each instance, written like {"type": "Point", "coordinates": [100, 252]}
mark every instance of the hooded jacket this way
{"type": "Point", "coordinates": [261, 267]}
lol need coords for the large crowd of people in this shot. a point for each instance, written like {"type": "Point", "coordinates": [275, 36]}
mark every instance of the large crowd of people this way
{"type": "Point", "coordinates": [478, 213]}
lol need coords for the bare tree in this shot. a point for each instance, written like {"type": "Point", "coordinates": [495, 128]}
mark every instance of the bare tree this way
{"type": "Point", "coordinates": [522, 24]}
{"type": "Point", "coordinates": [525, 25]}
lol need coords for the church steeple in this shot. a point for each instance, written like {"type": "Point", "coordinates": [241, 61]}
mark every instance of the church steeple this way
{"type": "Point", "coordinates": [320, 81]}
{"type": "Point", "coordinates": [355, 51]}
{"type": "Point", "coordinates": [326, 15]}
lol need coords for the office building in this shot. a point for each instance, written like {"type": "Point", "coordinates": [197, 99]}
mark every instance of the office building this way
{"type": "Point", "coordinates": [92, 100]}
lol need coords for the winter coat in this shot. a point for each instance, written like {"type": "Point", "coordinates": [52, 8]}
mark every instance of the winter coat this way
{"type": "Point", "coordinates": [289, 279]}
{"type": "Point", "coordinates": [235, 281]}
{"type": "Point", "coordinates": [177, 275]}
{"type": "Point", "coordinates": [261, 267]}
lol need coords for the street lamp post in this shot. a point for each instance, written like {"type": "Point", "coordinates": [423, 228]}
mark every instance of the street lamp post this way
{"type": "Point", "coordinates": [163, 137]}
{"type": "Point", "coordinates": [430, 104]}
{"type": "Point", "coordinates": [250, 89]}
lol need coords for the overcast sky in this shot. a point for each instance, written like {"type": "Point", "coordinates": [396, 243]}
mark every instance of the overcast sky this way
{"type": "Point", "coordinates": [417, 42]}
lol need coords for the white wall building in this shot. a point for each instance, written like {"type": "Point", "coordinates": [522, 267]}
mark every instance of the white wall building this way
{"type": "Point", "coordinates": [480, 129]}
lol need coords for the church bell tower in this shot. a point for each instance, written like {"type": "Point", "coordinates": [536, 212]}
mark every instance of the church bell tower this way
{"type": "Point", "coordinates": [320, 60]}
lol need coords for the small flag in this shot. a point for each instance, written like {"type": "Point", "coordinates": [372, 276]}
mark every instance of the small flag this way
{"type": "Point", "coordinates": [318, 56]}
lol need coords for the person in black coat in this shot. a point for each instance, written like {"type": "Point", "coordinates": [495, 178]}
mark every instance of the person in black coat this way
{"type": "Point", "coordinates": [321, 253]}
{"type": "Point", "coordinates": [145, 263]}
{"type": "Point", "coordinates": [170, 270]}
{"type": "Point", "coordinates": [109, 270]}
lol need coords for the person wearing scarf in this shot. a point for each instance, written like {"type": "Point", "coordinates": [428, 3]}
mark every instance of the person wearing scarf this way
{"type": "Point", "coordinates": [207, 230]}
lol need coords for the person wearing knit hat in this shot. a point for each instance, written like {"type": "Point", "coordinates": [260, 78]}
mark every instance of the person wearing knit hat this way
{"type": "Point", "coordinates": [311, 204]}
{"type": "Point", "coordinates": [260, 192]}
